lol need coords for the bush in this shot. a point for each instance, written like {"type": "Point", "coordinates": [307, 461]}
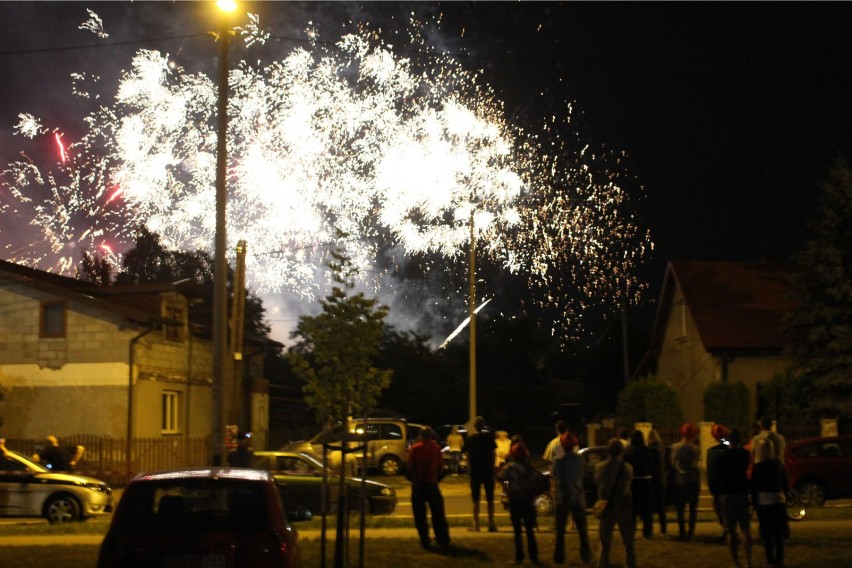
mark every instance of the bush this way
{"type": "Point", "coordinates": [787, 398]}
{"type": "Point", "coordinates": [727, 403]}
{"type": "Point", "coordinates": [649, 400]}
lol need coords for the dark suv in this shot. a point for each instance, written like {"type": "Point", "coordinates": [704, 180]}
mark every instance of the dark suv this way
{"type": "Point", "coordinates": [819, 468]}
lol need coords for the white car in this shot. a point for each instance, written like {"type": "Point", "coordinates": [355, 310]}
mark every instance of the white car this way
{"type": "Point", "coordinates": [28, 489]}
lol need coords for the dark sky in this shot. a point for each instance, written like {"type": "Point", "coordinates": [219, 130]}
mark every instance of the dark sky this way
{"type": "Point", "coordinates": [731, 113]}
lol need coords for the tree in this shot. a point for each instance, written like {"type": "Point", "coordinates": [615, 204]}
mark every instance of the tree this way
{"type": "Point", "coordinates": [335, 350]}
{"type": "Point", "coordinates": [95, 268]}
{"type": "Point", "coordinates": [150, 261]}
{"type": "Point", "coordinates": [651, 401]}
{"type": "Point", "coordinates": [727, 403]}
{"type": "Point", "coordinates": [821, 326]}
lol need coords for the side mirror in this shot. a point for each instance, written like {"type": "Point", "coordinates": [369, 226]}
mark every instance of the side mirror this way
{"type": "Point", "coordinates": [299, 514]}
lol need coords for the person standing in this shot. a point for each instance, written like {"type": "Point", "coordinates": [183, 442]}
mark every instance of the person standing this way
{"type": "Point", "coordinates": [523, 489]}
{"type": "Point", "coordinates": [480, 448]}
{"type": "Point", "coordinates": [504, 445]}
{"type": "Point", "coordinates": [553, 450]}
{"type": "Point", "coordinates": [455, 442]}
{"type": "Point", "coordinates": [731, 480]}
{"type": "Point", "coordinates": [638, 455]}
{"type": "Point", "coordinates": [425, 466]}
{"type": "Point", "coordinates": [659, 476]}
{"type": "Point", "coordinates": [719, 432]}
{"type": "Point", "coordinates": [57, 458]}
{"type": "Point", "coordinates": [567, 475]}
{"type": "Point", "coordinates": [769, 490]}
{"type": "Point", "coordinates": [774, 441]}
{"type": "Point", "coordinates": [241, 455]}
{"type": "Point", "coordinates": [687, 479]}
{"type": "Point", "coordinates": [614, 478]}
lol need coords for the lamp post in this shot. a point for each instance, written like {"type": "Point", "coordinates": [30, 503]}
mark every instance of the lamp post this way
{"type": "Point", "coordinates": [220, 263]}
{"type": "Point", "coordinates": [472, 314]}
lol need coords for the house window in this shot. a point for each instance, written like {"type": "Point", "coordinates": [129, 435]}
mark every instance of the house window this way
{"type": "Point", "coordinates": [52, 320]}
{"type": "Point", "coordinates": [173, 332]}
{"type": "Point", "coordinates": [171, 412]}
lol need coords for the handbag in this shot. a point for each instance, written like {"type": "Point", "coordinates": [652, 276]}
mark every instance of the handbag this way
{"type": "Point", "coordinates": [600, 506]}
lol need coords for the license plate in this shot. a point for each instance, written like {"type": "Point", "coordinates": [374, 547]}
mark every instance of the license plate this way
{"type": "Point", "coordinates": [195, 561]}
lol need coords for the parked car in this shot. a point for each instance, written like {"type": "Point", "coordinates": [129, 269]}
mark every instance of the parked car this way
{"type": "Point", "coordinates": [28, 489]}
{"type": "Point", "coordinates": [301, 477]}
{"type": "Point", "coordinates": [387, 448]}
{"type": "Point", "coordinates": [223, 517]}
{"type": "Point", "coordinates": [820, 468]}
{"type": "Point", "coordinates": [544, 502]}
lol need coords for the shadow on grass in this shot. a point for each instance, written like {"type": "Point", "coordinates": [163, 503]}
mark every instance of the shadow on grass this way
{"type": "Point", "coordinates": [459, 552]}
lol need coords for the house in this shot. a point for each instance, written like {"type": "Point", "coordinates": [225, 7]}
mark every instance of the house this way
{"type": "Point", "coordinates": [119, 361]}
{"type": "Point", "coordinates": [721, 322]}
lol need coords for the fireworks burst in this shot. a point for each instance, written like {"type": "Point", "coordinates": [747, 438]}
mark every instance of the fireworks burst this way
{"type": "Point", "coordinates": [397, 151]}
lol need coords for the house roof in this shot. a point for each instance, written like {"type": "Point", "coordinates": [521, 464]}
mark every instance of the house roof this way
{"type": "Point", "coordinates": [83, 292]}
{"type": "Point", "coordinates": [737, 306]}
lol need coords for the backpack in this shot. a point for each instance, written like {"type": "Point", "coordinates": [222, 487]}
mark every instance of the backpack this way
{"type": "Point", "coordinates": [525, 483]}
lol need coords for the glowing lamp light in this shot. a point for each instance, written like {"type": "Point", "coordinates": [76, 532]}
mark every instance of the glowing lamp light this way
{"type": "Point", "coordinates": [226, 5]}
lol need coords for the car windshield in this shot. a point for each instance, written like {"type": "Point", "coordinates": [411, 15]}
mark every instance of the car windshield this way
{"type": "Point", "coordinates": [14, 461]}
{"type": "Point", "coordinates": [205, 505]}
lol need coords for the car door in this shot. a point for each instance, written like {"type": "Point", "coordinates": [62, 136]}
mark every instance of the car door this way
{"type": "Point", "coordinates": [18, 493]}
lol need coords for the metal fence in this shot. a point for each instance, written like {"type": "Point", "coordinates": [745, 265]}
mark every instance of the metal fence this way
{"type": "Point", "coordinates": [106, 458]}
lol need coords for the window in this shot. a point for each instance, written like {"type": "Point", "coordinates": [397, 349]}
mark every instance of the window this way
{"type": "Point", "coordinates": [171, 414]}
{"type": "Point", "coordinates": [173, 332]}
{"type": "Point", "coordinates": [52, 321]}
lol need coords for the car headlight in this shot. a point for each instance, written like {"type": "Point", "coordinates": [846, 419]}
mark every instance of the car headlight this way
{"type": "Point", "coordinates": [387, 492]}
{"type": "Point", "coordinates": [98, 487]}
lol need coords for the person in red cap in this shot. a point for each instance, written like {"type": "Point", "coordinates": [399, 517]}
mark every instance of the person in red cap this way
{"type": "Point", "coordinates": [524, 485]}
{"type": "Point", "coordinates": [567, 474]}
{"type": "Point", "coordinates": [714, 454]}
{"type": "Point", "coordinates": [687, 479]}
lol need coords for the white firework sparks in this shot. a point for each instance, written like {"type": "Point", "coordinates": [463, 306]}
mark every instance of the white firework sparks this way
{"type": "Point", "coordinates": [350, 137]}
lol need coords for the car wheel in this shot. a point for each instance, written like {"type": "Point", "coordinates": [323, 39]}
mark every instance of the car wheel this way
{"type": "Point", "coordinates": [544, 504]}
{"type": "Point", "coordinates": [796, 507]}
{"type": "Point", "coordinates": [62, 509]}
{"type": "Point", "coordinates": [813, 493]}
{"type": "Point", "coordinates": [390, 465]}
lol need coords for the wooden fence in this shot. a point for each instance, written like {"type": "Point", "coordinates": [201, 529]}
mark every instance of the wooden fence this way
{"type": "Point", "coordinates": [106, 458]}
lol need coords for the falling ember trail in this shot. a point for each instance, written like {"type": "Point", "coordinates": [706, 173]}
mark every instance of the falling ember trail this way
{"type": "Point", "coordinates": [62, 153]}
{"type": "Point", "coordinates": [462, 324]}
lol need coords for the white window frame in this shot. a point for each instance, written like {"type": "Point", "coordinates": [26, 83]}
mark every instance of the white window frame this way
{"type": "Point", "coordinates": [170, 423]}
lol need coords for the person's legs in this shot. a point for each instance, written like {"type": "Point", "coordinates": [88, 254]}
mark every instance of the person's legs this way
{"type": "Point", "coordinates": [560, 521]}
{"type": "Point", "coordinates": [694, 492]}
{"type": "Point", "coordinates": [680, 504]}
{"type": "Point", "coordinates": [578, 513]}
{"type": "Point", "coordinates": [605, 534]}
{"type": "Point", "coordinates": [516, 516]}
{"type": "Point", "coordinates": [475, 485]}
{"type": "Point", "coordinates": [418, 510]}
{"type": "Point", "coordinates": [660, 506]}
{"type": "Point", "coordinates": [489, 501]}
{"type": "Point", "coordinates": [529, 525]}
{"type": "Point", "coordinates": [645, 508]}
{"type": "Point", "coordinates": [627, 528]}
{"type": "Point", "coordinates": [766, 533]}
{"type": "Point", "coordinates": [439, 517]}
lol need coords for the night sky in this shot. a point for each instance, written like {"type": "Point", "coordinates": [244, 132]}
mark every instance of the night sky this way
{"type": "Point", "coordinates": [730, 113]}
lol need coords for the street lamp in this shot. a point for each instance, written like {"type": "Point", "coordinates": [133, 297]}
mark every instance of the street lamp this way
{"type": "Point", "coordinates": [220, 263]}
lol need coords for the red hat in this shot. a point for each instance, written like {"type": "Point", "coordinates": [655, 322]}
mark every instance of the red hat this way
{"type": "Point", "coordinates": [519, 451]}
{"type": "Point", "coordinates": [569, 441]}
{"type": "Point", "coordinates": [719, 431]}
{"type": "Point", "coordinates": [688, 431]}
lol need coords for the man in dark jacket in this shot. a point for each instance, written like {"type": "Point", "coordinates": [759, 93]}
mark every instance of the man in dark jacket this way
{"type": "Point", "coordinates": [480, 447]}
{"type": "Point", "coordinates": [614, 478]}
{"type": "Point", "coordinates": [730, 477]}
{"type": "Point", "coordinates": [425, 468]}
{"type": "Point", "coordinates": [567, 474]}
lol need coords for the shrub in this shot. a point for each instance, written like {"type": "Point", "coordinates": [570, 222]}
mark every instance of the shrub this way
{"type": "Point", "coordinates": [649, 400]}
{"type": "Point", "coordinates": [727, 403]}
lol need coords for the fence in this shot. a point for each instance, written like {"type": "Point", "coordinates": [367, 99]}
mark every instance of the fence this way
{"type": "Point", "coordinates": [106, 458]}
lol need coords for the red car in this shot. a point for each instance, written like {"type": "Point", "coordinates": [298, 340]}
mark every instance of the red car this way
{"type": "Point", "coordinates": [820, 468]}
{"type": "Point", "coordinates": [200, 517]}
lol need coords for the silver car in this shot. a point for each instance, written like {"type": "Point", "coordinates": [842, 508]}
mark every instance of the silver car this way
{"type": "Point", "coordinates": [28, 489]}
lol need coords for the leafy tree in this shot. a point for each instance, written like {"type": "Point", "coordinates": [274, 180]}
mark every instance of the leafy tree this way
{"type": "Point", "coordinates": [335, 350]}
{"type": "Point", "coordinates": [651, 401]}
{"type": "Point", "coordinates": [821, 327]}
{"type": "Point", "coordinates": [95, 268]}
{"type": "Point", "coordinates": [782, 399]}
{"type": "Point", "coordinates": [150, 261]}
{"type": "Point", "coordinates": [727, 403]}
